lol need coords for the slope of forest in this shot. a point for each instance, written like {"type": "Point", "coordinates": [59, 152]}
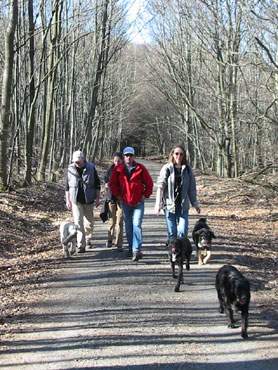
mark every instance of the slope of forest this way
{"type": "Point", "coordinates": [244, 217]}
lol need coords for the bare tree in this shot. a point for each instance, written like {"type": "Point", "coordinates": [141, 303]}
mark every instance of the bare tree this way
{"type": "Point", "coordinates": [5, 113]}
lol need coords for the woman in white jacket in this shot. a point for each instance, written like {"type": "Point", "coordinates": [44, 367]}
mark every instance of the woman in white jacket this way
{"type": "Point", "coordinates": [176, 190]}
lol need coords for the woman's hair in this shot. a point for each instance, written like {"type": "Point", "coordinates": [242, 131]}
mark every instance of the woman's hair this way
{"type": "Point", "coordinates": [171, 155]}
{"type": "Point", "coordinates": [117, 154]}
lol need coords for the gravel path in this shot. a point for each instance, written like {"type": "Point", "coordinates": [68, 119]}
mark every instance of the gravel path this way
{"type": "Point", "coordinates": [104, 311]}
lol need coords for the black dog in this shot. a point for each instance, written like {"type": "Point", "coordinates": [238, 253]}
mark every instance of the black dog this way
{"type": "Point", "coordinates": [202, 236]}
{"type": "Point", "coordinates": [233, 292]}
{"type": "Point", "coordinates": [180, 250]}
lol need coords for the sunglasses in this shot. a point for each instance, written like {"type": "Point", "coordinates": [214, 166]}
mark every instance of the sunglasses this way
{"type": "Point", "coordinates": [179, 153]}
{"type": "Point", "coordinates": [128, 155]}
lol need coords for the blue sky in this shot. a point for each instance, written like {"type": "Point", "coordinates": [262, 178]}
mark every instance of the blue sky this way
{"type": "Point", "coordinates": [138, 16]}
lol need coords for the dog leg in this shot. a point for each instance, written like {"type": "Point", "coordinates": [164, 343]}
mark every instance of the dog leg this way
{"type": "Point", "coordinates": [173, 269]}
{"type": "Point", "coordinates": [221, 301]}
{"type": "Point", "coordinates": [200, 262]}
{"type": "Point", "coordinates": [73, 248]}
{"type": "Point", "coordinates": [207, 258]}
{"type": "Point", "coordinates": [66, 251]}
{"type": "Point", "coordinates": [188, 264]}
{"type": "Point", "coordinates": [180, 277]}
{"type": "Point", "coordinates": [230, 315]}
{"type": "Point", "coordinates": [244, 323]}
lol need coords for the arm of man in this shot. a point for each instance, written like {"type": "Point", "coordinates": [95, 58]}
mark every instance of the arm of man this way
{"type": "Point", "coordinates": [68, 200]}
{"type": "Point", "coordinates": [148, 182]}
{"type": "Point", "coordinates": [97, 185]}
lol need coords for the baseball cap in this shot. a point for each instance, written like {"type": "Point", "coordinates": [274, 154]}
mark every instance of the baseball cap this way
{"type": "Point", "coordinates": [77, 156]}
{"type": "Point", "coordinates": [128, 150]}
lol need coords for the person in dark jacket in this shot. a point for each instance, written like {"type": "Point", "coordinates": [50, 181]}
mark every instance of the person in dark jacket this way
{"type": "Point", "coordinates": [115, 228]}
{"type": "Point", "coordinates": [82, 193]}
{"type": "Point", "coordinates": [176, 190]}
{"type": "Point", "coordinates": [131, 183]}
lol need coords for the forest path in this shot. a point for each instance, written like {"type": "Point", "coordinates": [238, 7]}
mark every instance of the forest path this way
{"type": "Point", "coordinates": [104, 311]}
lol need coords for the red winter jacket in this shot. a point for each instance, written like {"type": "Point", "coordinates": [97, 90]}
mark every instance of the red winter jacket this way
{"type": "Point", "coordinates": [131, 188]}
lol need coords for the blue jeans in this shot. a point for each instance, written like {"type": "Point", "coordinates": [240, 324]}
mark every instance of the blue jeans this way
{"type": "Point", "coordinates": [177, 223]}
{"type": "Point", "coordinates": [133, 225]}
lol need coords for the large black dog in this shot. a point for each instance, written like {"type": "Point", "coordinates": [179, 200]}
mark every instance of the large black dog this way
{"type": "Point", "coordinates": [180, 251]}
{"type": "Point", "coordinates": [202, 236]}
{"type": "Point", "coordinates": [233, 292]}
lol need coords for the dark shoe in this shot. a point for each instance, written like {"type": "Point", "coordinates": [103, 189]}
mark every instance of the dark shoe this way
{"type": "Point", "coordinates": [119, 248]}
{"type": "Point", "coordinates": [81, 250]}
{"type": "Point", "coordinates": [109, 244]}
{"type": "Point", "coordinates": [129, 253]}
{"type": "Point", "coordinates": [140, 255]}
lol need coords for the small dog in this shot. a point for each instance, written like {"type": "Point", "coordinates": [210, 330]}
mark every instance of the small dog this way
{"type": "Point", "coordinates": [68, 233]}
{"type": "Point", "coordinates": [233, 292]}
{"type": "Point", "coordinates": [180, 250]}
{"type": "Point", "coordinates": [202, 236]}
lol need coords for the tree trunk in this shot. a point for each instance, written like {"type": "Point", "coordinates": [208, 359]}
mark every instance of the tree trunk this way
{"type": "Point", "coordinates": [31, 120]}
{"type": "Point", "coordinates": [7, 92]}
{"type": "Point", "coordinates": [97, 81]}
{"type": "Point", "coordinates": [52, 69]}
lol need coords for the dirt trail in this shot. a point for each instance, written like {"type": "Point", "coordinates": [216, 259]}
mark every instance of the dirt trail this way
{"type": "Point", "coordinates": [104, 311]}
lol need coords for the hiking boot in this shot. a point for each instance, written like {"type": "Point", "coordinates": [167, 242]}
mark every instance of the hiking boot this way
{"type": "Point", "coordinates": [81, 250]}
{"type": "Point", "coordinates": [129, 253]}
{"type": "Point", "coordinates": [119, 248]}
{"type": "Point", "coordinates": [109, 244]}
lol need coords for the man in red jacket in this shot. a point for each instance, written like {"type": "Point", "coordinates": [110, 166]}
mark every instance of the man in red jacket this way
{"type": "Point", "coordinates": [131, 183]}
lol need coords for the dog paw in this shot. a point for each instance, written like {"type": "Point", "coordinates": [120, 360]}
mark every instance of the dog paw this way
{"type": "Point", "coordinates": [221, 310]}
{"type": "Point", "coordinates": [175, 276]}
{"type": "Point", "coordinates": [177, 289]}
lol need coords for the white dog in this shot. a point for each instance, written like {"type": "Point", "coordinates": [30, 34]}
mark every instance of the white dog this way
{"type": "Point", "coordinates": [68, 232]}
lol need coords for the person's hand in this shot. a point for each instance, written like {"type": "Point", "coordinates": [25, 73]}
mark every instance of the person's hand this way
{"type": "Point", "coordinates": [69, 204]}
{"type": "Point", "coordinates": [198, 209]}
{"type": "Point", "coordinates": [143, 198]}
{"type": "Point", "coordinates": [157, 209]}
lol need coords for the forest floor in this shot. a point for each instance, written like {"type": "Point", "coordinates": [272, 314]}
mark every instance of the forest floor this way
{"type": "Point", "coordinates": [244, 217]}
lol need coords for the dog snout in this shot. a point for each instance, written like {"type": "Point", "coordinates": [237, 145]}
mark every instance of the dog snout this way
{"type": "Point", "coordinates": [205, 243]}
